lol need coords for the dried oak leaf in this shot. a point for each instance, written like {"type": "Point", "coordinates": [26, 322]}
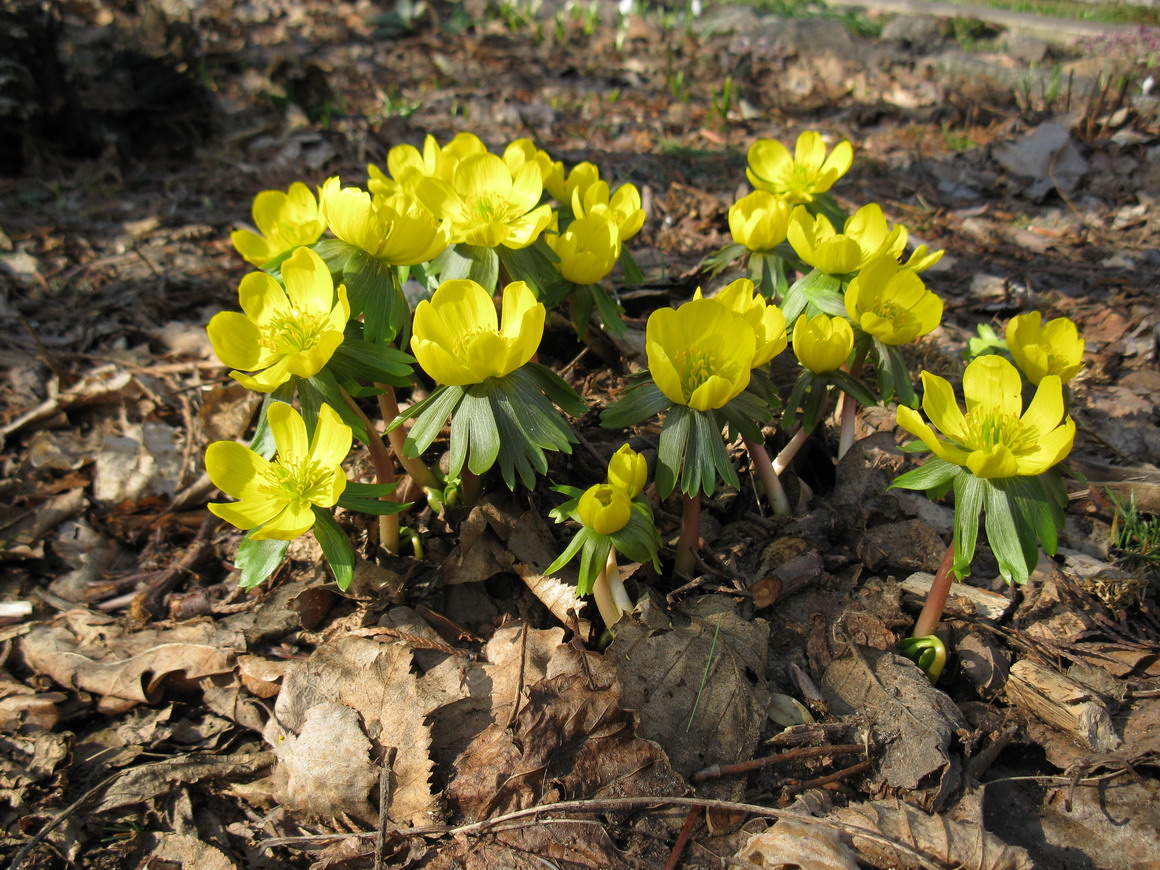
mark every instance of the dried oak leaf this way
{"type": "Point", "coordinates": [963, 844]}
{"type": "Point", "coordinates": [375, 681]}
{"type": "Point", "coordinates": [808, 847]}
{"type": "Point", "coordinates": [699, 687]}
{"type": "Point", "coordinates": [913, 721]}
{"type": "Point", "coordinates": [132, 667]}
{"type": "Point", "coordinates": [570, 740]}
{"type": "Point", "coordinates": [142, 783]}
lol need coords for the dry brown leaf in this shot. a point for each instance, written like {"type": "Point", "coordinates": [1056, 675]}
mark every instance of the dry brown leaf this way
{"type": "Point", "coordinates": [167, 848]}
{"type": "Point", "coordinates": [913, 721]}
{"type": "Point", "coordinates": [376, 682]}
{"type": "Point", "coordinates": [962, 844]}
{"type": "Point", "coordinates": [130, 667]}
{"type": "Point", "coordinates": [808, 847]}
{"type": "Point", "coordinates": [570, 740]}
{"type": "Point", "coordinates": [142, 783]}
{"type": "Point", "coordinates": [660, 674]}
{"type": "Point", "coordinates": [328, 764]}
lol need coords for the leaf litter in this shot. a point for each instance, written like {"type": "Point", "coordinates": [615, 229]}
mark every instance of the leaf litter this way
{"type": "Point", "coordinates": [448, 693]}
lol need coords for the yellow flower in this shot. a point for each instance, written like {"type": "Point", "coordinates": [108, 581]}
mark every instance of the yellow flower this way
{"type": "Point", "coordinates": [605, 508]}
{"type": "Point", "coordinates": [521, 151]}
{"type": "Point", "coordinates": [760, 220]}
{"type": "Point", "coordinates": [561, 187]}
{"type": "Point", "coordinates": [767, 321]}
{"type": "Point", "coordinates": [822, 343]}
{"type": "Point", "coordinates": [800, 177]}
{"type": "Point", "coordinates": [588, 249]}
{"type": "Point", "coordinates": [891, 303]}
{"type": "Point", "coordinates": [395, 229]}
{"type": "Point", "coordinates": [627, 470]}
{"type": "Point", "coordinates": [287, 220]}
{"type": "Point", "coordinates": [487, 204]}
{"type": "Point", "coordinates": [282, 332]}
{"type": "Point", "coordinates": [458, 339]}
{"type": "Point", "coordinates": [699, 354]}
{"type": "Point", "coordinates": [1053, 348]}
{"type": "Point", "coordinates": [866, 235]}
{"type": "Point", "coordinates": [277, 498]}
{"type": "Point", "coordinates": [622, 209]}
{"type": "Point", "coordinates": [992, 439]}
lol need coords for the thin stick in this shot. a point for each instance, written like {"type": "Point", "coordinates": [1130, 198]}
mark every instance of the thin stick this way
{"type": "Point", "coordinates": [621, 805]}
{"type": "Point", "coordinates": [790, 755]}
{"type": "Point", "coordinates": [682, 838]}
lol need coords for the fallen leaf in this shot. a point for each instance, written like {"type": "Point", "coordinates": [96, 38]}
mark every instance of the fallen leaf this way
{"type": "Point", "coordinates": [962, 844]}
{"type": "Point", "coordinates": [327, 764]}
{"type": "Point", "coordinates": [912, 721]}
{"type": "Point", "coordinates": [808, 847]}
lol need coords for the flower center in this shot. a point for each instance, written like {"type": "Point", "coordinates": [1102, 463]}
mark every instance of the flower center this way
{"type": "Point", "coordinates": [298, 331]}
{"type": "Point", "coordinates": [897, 315]}
{"type": "Point", "coordinates": [695, 366]}
{"type": "Point", "coordinates": [987, 429]}
{"type": "Point", "coordinates": [295, 483]}
{"type": "Point", "coordinates": [488, 208]}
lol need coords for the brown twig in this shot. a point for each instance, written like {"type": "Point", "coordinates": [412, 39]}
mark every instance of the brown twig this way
{"type": "Point", "coordinates": [682, 838]}
{"type": "Point", "coordinates": [618, 805]}
{"type": "Point", "coordinates": [791, 755]}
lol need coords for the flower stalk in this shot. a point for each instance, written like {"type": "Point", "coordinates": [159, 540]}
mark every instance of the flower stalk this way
{"type": "Point", "coordinates": [690, 533]}
{"type": "Point", "coordinates": [609, 593]}
{"type": "Point", "coordinates": [384, 473]}
{"type": "Point", "coordinates": [770, 481]}
{"type": "Point", "coordinates": [414, 465]}
{"type": "Point", "coordinates": [936, 596]}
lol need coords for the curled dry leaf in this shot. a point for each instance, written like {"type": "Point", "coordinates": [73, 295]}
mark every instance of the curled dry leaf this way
{"type": "Point", "coordinates": [138, 784]}
{"type": "Point", "coordinates": [963, 844]}
{"type": "Point", "coordinates": [808, 847]}
{"type": "Point", "coordinates": [129, 668]}
{"type": "Point", "coordinates": [913, 721]}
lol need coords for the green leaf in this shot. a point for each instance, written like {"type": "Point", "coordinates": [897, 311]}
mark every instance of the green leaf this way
{"type": "Point", "coordinates": [478, 418]}
{"type": "Point", "coordinates": [555, 388]}
{"type": "Point", "coordinates": [671, 454]}
{"type": "Point", "coordinates": [850, 385]}
{"type": "Point", "coordinates": [373, 288]}
{"type": "Point", "coordinates": [968, 503]}
{"type": "Point", "coordinates": [367, 498]}
{"type": "Point", "coordinates": [363, 360]}
{"type": "Point", "coordinates": [263, 441]}
{"type": "Point", "coordinates": [610, 311]}
{"type": "Point", "coordinates": [746, 414]}
{"type": "Point", "coordinates": [815, 292]}
{"type": "Point", "coordinates": [580, 305]}
{"type": "Point", "coordinates": [814, 401]}
{"type": "Point", "coordinates": [793, 404]}
{"type": "Point", "coordinates": [894, 377]}
{"type": "Point", "coordinates": [1030, 502]}
{"type": "Point", "coordinates": [336, 253]}
{"type": "Point", "coordinates": [430, 416]}
{"type": "Point", "coordinates": [258, 559]}
{"type": "Point", "coordinates": [336, 547]}
{"type": "Point", "coordinates": [722, 257]}
{"type": "Point", "coordinates": [578, 540]}
{"type": "Point", "coordinates": [633, 276]}
{"type": "Point", "coordinates": [1008, 541]}
{"type": "Point", "coordinates": [480, 265]}
{"type": "Point", "coordinates": [323, 388]}
{"type": "Point", "coordinates": [534, 264]}
{"type": "Point", "coordinates": [639, 402]}
{"type": "Point", "coordinates": [705, 456]}
{"type": "Point", "coordinates": [934, 472]}
{"type": "Point", "coordinates": [639, 540]}
{"type": "Point", "coordinates": [593, 558]}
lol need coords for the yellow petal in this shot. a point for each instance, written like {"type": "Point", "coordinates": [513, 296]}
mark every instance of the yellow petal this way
{"type": "Point", "coordinates": [235, 340]}
{"type": "Point", "coordinates": [940, 405]}
{"type": "Point", "coordinates": [262, 298]}
{"type": "Point", "coordinates": [292, 521]}
{"type": "Point", "coordinates": [289, 432]}
{"type": "Point", "coordinates": [309, 285]}
{"type": "Point", "coordinates": [1046, 408]}
{"type": "Point", "coordinates": [253, 248]}
{"type": "Point", "coordinates": [246, 515]}
{"type": "Point", "coordinates": [332, 439]}
{"type": "Point", "coordinates": [235, 469]}
{"type": "Point", "coordinates": [995, 461]}
{"type": "Point", "coordinates": [1050, 449]}
{"type": "Point", "coordinates": [995, 384]}
{"type": "Point", "coordinates": [464, 307]}
{"type": "Point", "coordinates": [717, 391]}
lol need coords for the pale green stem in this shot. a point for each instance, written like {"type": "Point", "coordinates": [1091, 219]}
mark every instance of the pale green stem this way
{"type": "Point", "coordinates": [609, 593]}
{"type": "Point", "coordinates": [936, 598]}
{"type": "Point", "coordinates": [785, 457]}
{"type": "Point", "coordinates": [690, 534]}
{"type": "Point", "coordinates": [770, 482]}
{"type": "Point", "coordinates": [414, 465]}
{"type": "Point", "coordinates": [470, 486]}
{"type": "Point", "coordinates": [848, 406]}
{"type": "Point", "coordinates": [384, 472]}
